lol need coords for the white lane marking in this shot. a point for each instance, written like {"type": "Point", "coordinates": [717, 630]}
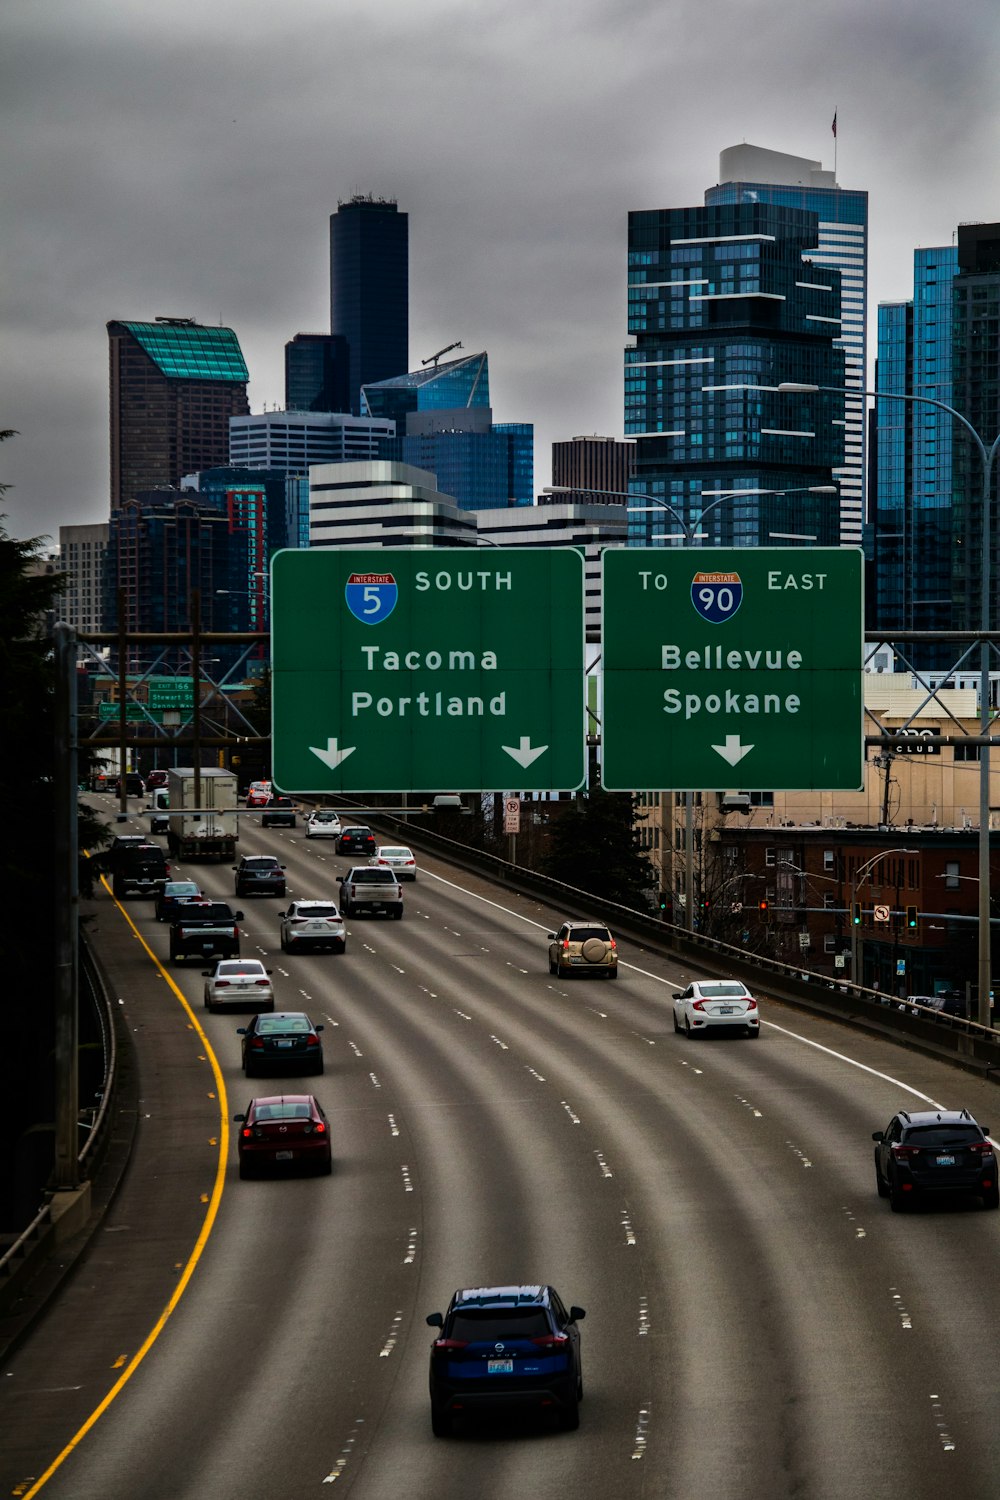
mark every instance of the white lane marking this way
{"type": "Point", "coordinates": [747, 1105]}
{"type": "Point", "coordinates": [644, 1324]}
{"type": "Point", "coordinates": [499, 1043]}
{"type": "Point", "coordinates": [944, 1436]}
{"type": "Point", "coordinates": [605, 1169]}
{"type": "Point", "coordinates": [407, 1184]}
{"type": "Point", "coordinates": [390, 1342]}
{"type": "Point", "coordinates": [393, 1127]}
{"type": "Point", "coordinates": [398, 969]}
{"type": "Point", "coordinates": [355, 1049]}
{"type": "Point", "coordinates": [602, 1013]}
{"type": "Point", "coordinates": [904, 1316]}
{"type": "Point", "coordinates": [800, 1154]}
{"type": "Point", "coordinates": [463, 1015]}
{"type": "Point", "coordinates": [411, 1249]}
{"type": "Point", "coordinates": [626, 1223]}
{"type": "Point", "coordinates": [331, 1020]}
{"type": "Point", "coordinates": [659, 979]}
{"type": "Point", "coordinates": [566, 1107]}
{"type": "Point", "coordinates": [640, 1440]}
{"type": "Point", "coordinates": [859, 1233]}
{"type": "Point", "coordinates": [374, 1079]}
{"type": "Point", "coordinates": [534, 1074]}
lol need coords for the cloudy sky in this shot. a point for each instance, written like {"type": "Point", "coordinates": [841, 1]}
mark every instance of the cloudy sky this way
{"type": "Point", "coordinates": [183, 159]}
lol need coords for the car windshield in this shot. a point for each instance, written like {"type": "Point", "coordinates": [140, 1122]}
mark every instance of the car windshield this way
{"type": "Point", "coordinates": [283, 1023]}
{"type": "Point", "coordinates": [370, 877]}
{"type": "Point", "coordinates": [324, 817]}
{"type": "Point", "coordinates": [486, 1324]}
{"type": "Point", "coordinates": [933, 1137]}
{"type": "Point", "coordinates": [356, 829]}
{"type": "Point", "coordinates": [305, 909]}
{"type": "Point", "coordinates": [584, 934]}
{"type": "Point", "coordinates": [180, 888]}
{"type": "Point", "coordinates": [723, 991]}
{"type": "Point", "coordinates": [230, 967]}
{"type": "Point", "coordinates": [260, 862]}
{"type": "Point", "coordinates": [284, 1109]}
{"type": "Point", "coordinates": [395, 853]}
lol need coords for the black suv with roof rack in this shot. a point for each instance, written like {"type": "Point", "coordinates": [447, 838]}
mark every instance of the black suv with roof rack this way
{"type": "Point", "coordinates": [506, 1346]}
{"type": "Point", "coordinates": [934, 1151]}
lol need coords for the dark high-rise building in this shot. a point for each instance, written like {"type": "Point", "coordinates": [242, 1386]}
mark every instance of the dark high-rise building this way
{"type": "Point", "coordinates": [927, 521]}
{"type": "Point", "coordinates": [174, 386]}
{"type": "Point", "coordinates": [370, 289]}
{"type": "Point", "coordinates": [724, 306]}
{"type": "Point", "coordinates": [317, 373]}
{"type": "Point", "coordinates": [586, 464]}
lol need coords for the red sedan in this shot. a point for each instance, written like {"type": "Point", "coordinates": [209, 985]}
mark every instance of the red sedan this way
{"type": "Point", "coordinates": [284, 1130]}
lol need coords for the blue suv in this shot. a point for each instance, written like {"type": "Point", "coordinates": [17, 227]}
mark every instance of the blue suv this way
{"type": "Point", "coordinates": [506, 1346]}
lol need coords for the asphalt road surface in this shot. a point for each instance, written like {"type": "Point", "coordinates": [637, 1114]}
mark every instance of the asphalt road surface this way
{"type": "Point", "coordinates": [759, 1324]}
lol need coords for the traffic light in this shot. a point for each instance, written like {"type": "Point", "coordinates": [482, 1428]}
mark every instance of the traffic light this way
{"type": "Point", "coordinates": [856, 914]}
{"type": "Point", "coordinates": [706, 904]}
{"type": "Point", "coordinates": [762, 905]}
{"type": "Point", "coordinates": [912, 920]}
{"type": "Point", "coordinates": [666, 906]}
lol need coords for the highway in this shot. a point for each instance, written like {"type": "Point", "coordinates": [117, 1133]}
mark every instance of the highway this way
{"type": "Point", "coordinates": [759, 1324]}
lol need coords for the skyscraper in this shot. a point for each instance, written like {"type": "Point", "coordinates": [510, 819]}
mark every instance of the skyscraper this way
{"type": "Point", "coordinates": [928, 516]}
{"type": "Point", "coordinates": [751, 174]}
{"type": "Point", "coordinates": [370, 289]}
{"type": "Point", "coordinates": [174, 386]}
{"type": "Point", "coordinates": [586, 464]}
{"type": "Point", "coordinates": [317, 373]}
{"type": "Point", "coordinates": [724, 306]}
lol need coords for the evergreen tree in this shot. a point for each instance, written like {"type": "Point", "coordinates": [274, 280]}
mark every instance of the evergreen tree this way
{"type": "Point", "coordinates": [596, 848]}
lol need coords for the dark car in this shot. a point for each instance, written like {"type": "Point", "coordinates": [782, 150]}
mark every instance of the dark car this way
{"type": "Point", "coordinates": [155, 779]}
{"type": "Point", "coordinates": [284, 1039]}
{"type": "Point", "coordinates": [356, 839]}
{"type": "Point", "coordinates": [203, 929]}
{"type": "Point", "coordinates": [279, 812]}
{"type": "Point", "coordinates": [285, 1130]}
{"type": "Point", "coordinates": [137, 869]}
{"type": "Point", "coordinates": [171, 894]}
{"type": "Point", "coordinates": [934, 1152]}
{"type": "Point", "coordinates": [134, 784]}
{"type": "Point", "coordinates": [506, 1346]}
{"type": "Point", "coordinates": [259, 875]}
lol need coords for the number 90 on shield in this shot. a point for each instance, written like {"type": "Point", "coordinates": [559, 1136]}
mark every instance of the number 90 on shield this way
{"type": "Point", "coordinates": [716, 596]}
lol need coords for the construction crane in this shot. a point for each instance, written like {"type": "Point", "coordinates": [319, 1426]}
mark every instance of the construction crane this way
{"type": "Point", "coordinates": [432, 359]}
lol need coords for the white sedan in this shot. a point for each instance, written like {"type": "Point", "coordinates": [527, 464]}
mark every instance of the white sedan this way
{"type": "Point", "coordinates": [322, 824]}
{"type": "Point", "coordinates": [716, 1005]}
{"type": "Point", "coordinates": [399, 859]}
{"type": "Point", "coordinates": [242, 983]}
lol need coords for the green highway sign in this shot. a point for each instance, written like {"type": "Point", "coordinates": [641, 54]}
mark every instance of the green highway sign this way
{"type": "Point", "coordinates": [171, 692]}
{"type": "Point", "coordinates": [728, 667]}
{"type": "Point", "coordinates": [134, 713]}
{"type": "Point", "coordinates": [424, 669]}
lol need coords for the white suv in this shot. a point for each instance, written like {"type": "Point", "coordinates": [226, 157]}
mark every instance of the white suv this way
{"type": "Point", "coordinates": [313, 924]}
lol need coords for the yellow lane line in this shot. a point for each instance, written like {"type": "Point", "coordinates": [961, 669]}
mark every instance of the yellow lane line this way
{"type": "Point", "coordinates": [206, 1228]}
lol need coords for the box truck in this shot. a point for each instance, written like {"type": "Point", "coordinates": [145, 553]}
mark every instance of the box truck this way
{"type": "Point", "coordinates": [206, 828]}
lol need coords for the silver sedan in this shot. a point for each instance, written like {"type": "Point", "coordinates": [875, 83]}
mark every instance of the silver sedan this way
{"type": "Point", "coordinates": [240, 984]}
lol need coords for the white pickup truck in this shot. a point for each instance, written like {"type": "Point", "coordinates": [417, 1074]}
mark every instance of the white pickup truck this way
{"type": "Point", "coordinates": [371, 888]}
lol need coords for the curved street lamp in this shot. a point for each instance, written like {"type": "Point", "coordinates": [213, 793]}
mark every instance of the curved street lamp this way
{"type": "Point", "coordinates": [987, 456]}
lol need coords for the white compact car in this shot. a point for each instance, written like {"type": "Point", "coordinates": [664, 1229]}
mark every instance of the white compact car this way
{"type": "Point", "coordinates": [323, 824]}
{"type": "Point", "coordinates": [716, 1005]}
{"type": "Point", "coordinates": [242, 983]}
{"type": "Point", "coordinates": [399, 859]}
{"type": "Point", "coordinates": [313, 924]}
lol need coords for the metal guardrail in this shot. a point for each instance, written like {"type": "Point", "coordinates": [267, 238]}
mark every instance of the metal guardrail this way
{"type": "Point", "coordinates": [35, 1243]}
{"type": "Point", "coordinates": [962, 1041]}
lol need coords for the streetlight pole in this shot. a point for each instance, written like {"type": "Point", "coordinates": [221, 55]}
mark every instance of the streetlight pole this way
{"type": "Point", "coordinates": [987, 456]}
{"type": "Point", "coordinates": [860, 876]}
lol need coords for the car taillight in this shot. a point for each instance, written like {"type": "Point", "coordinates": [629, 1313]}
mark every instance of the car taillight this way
{"type": "Point", "coordinates": [264, 982]}
{"type": "Point", "coordinates": [983, 1147]}
{"type": "Point", "coordinates": [905, 1152]}
{"type": "Point", "coordinates": [565, 945]}
{"type": "Point", "coordinates": [247, 1132]}
{"type": "Point", "coordinates": [612, 945]}
{"type": "Point", "coordinates": [552, 1341]}
{"type": "Point", "coordinates": [257, 1041]}
{"type": "Point", "coordinates": [222, 984]}
{"type": "Point", "coordinates": [697, 1005]}
{"type": "Point", "coordinates": [451, 1344]}
{"type": "Point", "coordinates": [320, 1128]}
{"type": "Point", "coordinates": [312, 1040]}
{"type": "Point", "coordinates": [751, 1002]}
{"type": "Point", "coordinates": [297, 921]}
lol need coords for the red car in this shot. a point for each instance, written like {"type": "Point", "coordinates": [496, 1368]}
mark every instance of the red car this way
{"type": "Point", "coordinates": [259, 793]}
{"type": "Point", "coordinates": [284, 1130]}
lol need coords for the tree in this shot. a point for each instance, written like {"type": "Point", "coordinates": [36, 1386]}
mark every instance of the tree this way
{"type": "Point", "coordinates": [596, 848]}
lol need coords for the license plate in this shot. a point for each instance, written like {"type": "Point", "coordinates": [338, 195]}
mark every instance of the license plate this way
{"type": "Point", "coordinates": [945, 1161]}
{"type": "Point", "coordinates": [285, 1041]}
{"type": "Point", "coordinates": [283, 1155]}
{"type": "Point", "coordinates": [500, 1367]}
{"type": "Point", "coordinates": [727, 1010]}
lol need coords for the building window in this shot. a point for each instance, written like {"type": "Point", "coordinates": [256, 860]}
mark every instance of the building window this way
{"type": "Point", "coordinates": [951, 876]}
{"type": "Point", "coordinates": [829, 859]}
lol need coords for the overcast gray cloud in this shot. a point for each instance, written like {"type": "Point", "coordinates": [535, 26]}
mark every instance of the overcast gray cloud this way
{"type": "Point", "coordinates": [183, 159]}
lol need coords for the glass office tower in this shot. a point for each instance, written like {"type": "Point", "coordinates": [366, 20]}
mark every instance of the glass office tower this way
{"type": "Point", "coordinates": [751, 174]}
{"type": "Point", "coordinates": [370, 289]}
{"type": "Point", "coordinates": [724, 305]}
{"type": "Point", "coordinates": [912, 523]}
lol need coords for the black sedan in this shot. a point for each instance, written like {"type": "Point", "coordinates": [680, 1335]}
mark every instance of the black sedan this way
{"type": "Point", "coordinates": [281, 1041]}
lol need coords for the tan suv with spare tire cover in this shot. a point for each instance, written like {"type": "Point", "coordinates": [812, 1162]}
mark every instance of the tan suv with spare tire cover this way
{"type": "Point", "coordinates": [583, 948]}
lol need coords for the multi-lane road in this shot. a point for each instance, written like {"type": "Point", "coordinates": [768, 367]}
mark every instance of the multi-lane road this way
{"type": "Point", "coordinates": [759, 1324]}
